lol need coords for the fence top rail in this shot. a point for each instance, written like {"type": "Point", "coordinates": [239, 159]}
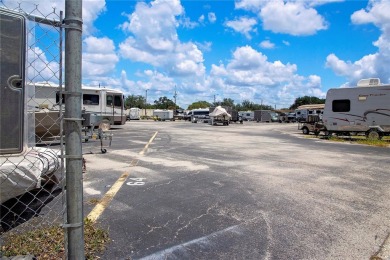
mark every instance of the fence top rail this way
{"type": "Point", "coordinates": [36, 18]}
{"type": "Point", "coordinates": [43, 20]}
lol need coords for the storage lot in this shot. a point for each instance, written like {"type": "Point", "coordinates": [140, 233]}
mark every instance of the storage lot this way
{"type": "Point", "coordinates": [251, 191]}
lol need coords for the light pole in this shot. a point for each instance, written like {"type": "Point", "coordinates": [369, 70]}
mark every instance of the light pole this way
{"type": "Point", "coordinates": [146, 100]}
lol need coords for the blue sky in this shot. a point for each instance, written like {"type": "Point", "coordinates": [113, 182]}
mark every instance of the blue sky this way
{"type": "Point", "coordinates": [263, 51]}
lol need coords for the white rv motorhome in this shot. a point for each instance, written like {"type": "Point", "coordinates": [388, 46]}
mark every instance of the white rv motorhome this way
{"type": "Point", "coordinates": [105, 103]}
{"type": "Point", "coordinates": [200, 115]}
{"type": "Point", "coordinates": [362, 109]}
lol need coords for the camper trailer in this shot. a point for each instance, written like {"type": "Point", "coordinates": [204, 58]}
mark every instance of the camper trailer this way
{"type": "Point", "coordinates": [303, 112]}
{"type": "Point", "coordinates": [134, 113]}
{"type": "Point", "coordinates": [163, 114]}
{"type": "Point", "coordinates": [364, 109]}
{"type": "Point", "coordinates": [247, 115]}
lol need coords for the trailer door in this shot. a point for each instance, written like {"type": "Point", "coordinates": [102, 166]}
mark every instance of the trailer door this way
{"type": "Point", "coordinates": [12, 70]}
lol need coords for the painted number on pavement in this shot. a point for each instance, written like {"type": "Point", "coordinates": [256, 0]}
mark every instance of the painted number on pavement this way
{"type": "Point", "coordinates": [136, 181]}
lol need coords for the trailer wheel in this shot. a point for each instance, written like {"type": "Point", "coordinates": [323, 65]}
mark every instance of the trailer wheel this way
{"type": "Point", "coordinates": [305, 131]}
{"type": "Point", "coordinates": [328, 134]}
{"type": "Point", "coordinates": [373, 134]}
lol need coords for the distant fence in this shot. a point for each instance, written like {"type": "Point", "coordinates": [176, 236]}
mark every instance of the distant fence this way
{"type": "Point", "coordinates": [32, 179]}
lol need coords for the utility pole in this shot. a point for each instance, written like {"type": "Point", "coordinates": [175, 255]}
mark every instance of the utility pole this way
{"type": "Point", "coordinates": [146, 100]}
{"type": "Point", "coordinates": [175, 97]}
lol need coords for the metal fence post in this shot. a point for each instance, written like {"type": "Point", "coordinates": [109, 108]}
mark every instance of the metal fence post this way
{"type": "Point", "coordinates": [72, 123]}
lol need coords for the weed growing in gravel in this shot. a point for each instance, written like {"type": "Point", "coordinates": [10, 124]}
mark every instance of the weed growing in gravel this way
{"type": "Point", "coordinates": [48, 242]}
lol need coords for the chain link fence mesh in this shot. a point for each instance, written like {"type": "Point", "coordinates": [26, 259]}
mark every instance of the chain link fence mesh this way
{"type": "Point", "coordinates": [32, 180]}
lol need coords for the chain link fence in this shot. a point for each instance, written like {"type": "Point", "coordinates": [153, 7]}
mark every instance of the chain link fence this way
{"type": "Point", "coordinates": [32, 172]}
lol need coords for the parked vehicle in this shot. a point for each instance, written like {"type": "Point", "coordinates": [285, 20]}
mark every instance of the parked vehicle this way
{"type": "Point", "coordinates": [311, 125]}
{"type": "Point", "coordinates": [364, 109]}
{"type": "Point", "coordinates": [235, 115]}
{"type": "Point", "coordinates": [134, 113]}
{"type": "Point", "coordinates": [219, 115]}
{"type": "Point", "coordinates": [274, 116]}
{"type": "Point", "coordinates": [163, 115]}
{"type": "Point", "coordinates": [303, 112]}
{"type": "Point", "coordinates": [200, 115]}
{"type": "Point", "coordinates": [263, 116]}
{"type": "Point", "coordinates": [291, 117]}
{"type": "Point", "coordinates": [107, 103]}
{"type": "Point", "coordinates": [247, 115]}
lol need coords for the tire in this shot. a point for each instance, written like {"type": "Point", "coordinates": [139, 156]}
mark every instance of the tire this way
{"type": "Point", "coordinates": [305, 131]}
{"type": "Point", "coordinates": [373, 134]}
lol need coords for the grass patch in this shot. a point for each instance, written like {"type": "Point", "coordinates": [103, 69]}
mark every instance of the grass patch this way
{"type": "Point", "coordinates": [385, 142]}
{"type": "Point", "coordinates": [48, 242]}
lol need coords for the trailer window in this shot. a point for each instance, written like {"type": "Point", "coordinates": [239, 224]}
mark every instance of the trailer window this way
{"type": "Point", "coordinates": [89, 99]}
{"type": "Point", "coordinates": [199, 113]}
{"type": "Point", "coordinates": [342, 105]}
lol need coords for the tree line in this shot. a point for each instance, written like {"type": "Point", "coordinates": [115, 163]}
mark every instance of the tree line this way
{"type": "Point", "coordinates": [246, 105]}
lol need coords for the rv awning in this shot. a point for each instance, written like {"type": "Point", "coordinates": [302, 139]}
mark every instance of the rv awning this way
{"type": "Point", "coordinates": [312, 106]}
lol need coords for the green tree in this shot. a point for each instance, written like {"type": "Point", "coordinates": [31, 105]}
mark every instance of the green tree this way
{"type": "Point", "coordinates": [199, 104]}
{"type": "Point", "coordinates": [164, 103]}
{"type": "Point", "coordinates": [246, 105]}
{"type": "Point", "coordinates": [226, 102]}
{"type": "Point", "coordinates": [135, 101]}
{"type": "Point", "coordinates": [306, 100]}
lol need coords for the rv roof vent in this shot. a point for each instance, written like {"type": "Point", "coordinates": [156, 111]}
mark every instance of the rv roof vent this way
{"type": "Point", "coordinates": [368, 82]}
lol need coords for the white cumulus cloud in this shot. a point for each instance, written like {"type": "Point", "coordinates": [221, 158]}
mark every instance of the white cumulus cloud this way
{"type": "Point", "coordinates": [154, 39]}
{"type": "Point", "coordinates": [250, 75]}
{"type": "Point", "coordinates": [289, 17]}
{"type": "Point", "coordinates": [267, 44]}
{"type": "Point", "coordinates": [99, 57]}
{"type": "Point", "coordinates": [243, 25]}
{"type": "Point", "coordinates": [372, 65]}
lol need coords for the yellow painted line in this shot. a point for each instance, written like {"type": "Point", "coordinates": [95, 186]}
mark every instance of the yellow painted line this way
{"type": "Point", "coordinates": [102, 205]}
{"type": "Point", "coordinates": [147, 145]}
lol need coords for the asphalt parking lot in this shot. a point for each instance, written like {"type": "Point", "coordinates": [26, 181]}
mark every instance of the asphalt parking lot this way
{"type": "Point", "coordinates": [180, 190]}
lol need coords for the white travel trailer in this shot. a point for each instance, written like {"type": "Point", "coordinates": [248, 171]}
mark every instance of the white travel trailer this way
{"type": "Point", "coordinates": [106, 104]}
{"type": "Point", "coordinates": [163, 114]}
{"type": "Point", "coordinates": [364, 109]}
{"type": "Point", "coordinates": [302, 113]}
{"type": "Point", "coordinates": [134, 113]}
{"type": "Point", "coordinates": [247, 115]}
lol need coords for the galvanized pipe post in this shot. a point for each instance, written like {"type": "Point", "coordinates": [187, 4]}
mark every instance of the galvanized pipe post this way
{"type": "Point", "coordinates": [72, 127]}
